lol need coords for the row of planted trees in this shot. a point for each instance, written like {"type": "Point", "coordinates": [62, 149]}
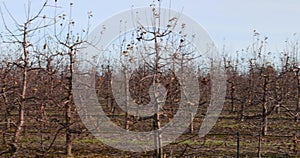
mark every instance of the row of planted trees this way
{"type": "Point", "coordinates": [260, 83]}
{"type": "Point", "coordinates": [257, 89]}
{"type": "Point", "coordinates": [37, 66]}
{"type": "Point", "coordinates": [36, 84]}
{"type": "Point", "coordinates": [47, 94]}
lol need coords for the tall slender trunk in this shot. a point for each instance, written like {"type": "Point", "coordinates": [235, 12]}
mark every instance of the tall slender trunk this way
{"type": "Point", "coordinates": [191, 123]}
{"type": "Point", "coordinates": [298, 97]}
{"type": "Point", "coordinates": [259, 145]}
{"type": "Point", "coordinates": [126, 123]}
{"type": "Point", "coordinates": [68, 105]}
{"type": "Point", "coordinates": [238, 145]}
{"type": "Point", "coordinates": [232, 91]}
{"type": "Point", "coordinates": [21, 112]}
{"type": "Point", "coordinates": [279, 92]}
{"type": "Point", "coordinates": [6, 114]}
{"type": "Point", "coordinates": [242, 110]}
{"type": "Point", "coordinates": [265, 106]}
{"type": "Point", "coordinates": [156, 119]}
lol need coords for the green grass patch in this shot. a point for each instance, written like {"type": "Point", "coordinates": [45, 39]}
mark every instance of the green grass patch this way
{"type": "Point", "coordinates": [86, 141]}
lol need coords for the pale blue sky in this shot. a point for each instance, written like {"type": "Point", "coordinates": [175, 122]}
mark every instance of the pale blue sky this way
{"type": "Point", "coordinates": [229, 22]}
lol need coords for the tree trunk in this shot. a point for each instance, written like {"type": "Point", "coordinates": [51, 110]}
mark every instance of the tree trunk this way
{"type": "Point", "coordinates": [156, 120]}
{"type": "Point", "coordinates": [156, 124]}
{"type": "Point", "coordinates": [68, 106]}
{"type": "Point", "coordinates": [24, 88]}
{"type": "Point", "coordinates": [298, 98]}
{"type": "Point", "coordinates": [191, 123]}
{"type": "Point", "coordinates": [265, 106]}
{"type": "Point", "coordinates": [127, 94]}
{"type": "Point", "coordinates": [259, 145]}
{"type": "Point", "coordinates": [238, 145]}
{"type": "Point", "coordinates": [265, 122]}
{"type": "Point", "coordinates": [6, 114]}
{"type": "Point", "coordinates": [157, 136]}
{"type": "Point", "coordinates": [242, 110]}
{"type": "Point", "coordinates": [232, 89]}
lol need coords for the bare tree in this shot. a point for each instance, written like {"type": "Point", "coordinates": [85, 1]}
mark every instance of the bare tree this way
{"type": "Point", "coordinates": [25, 33]}
{"type": "Point", "coordinates": [70, 42]}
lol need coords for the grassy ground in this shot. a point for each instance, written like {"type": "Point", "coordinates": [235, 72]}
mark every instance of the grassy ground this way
{"type": "Point", "coordinates": [220, 142]}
